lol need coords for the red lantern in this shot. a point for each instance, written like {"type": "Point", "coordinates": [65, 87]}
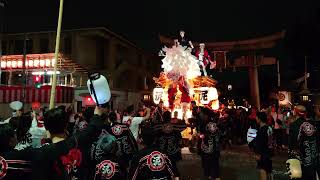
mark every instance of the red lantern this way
{"type": "Point", "coordinates": [37, 79]}
{"type": "Point", "coordinates": [3, 64]}
{"type": "Point", "coordinates": [20, 64]}
{"type": "Point", "coordinates": [35, 105]}
{"type": "Point", "coordinates": [36, 63]}
{"type": "Point", "coordinates": [30, 64]}
{"type": "Point", "coordinates": [14, 64]}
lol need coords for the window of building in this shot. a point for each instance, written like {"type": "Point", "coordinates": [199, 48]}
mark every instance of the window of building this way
{"type": "Point", "coordinates": [4, 48]}
{"type": "Point", "coordinates": [140, 83]}
{"type": "Point", "coordinates": [67, 45]}
{"type": "Point", "coordinates": [44, 45]}
{"type": "Point", "coordinates": [29, 46]}
{"type": "Point", "coordinates": [305, 98]}
{"type": "Point", "coordinates": [18, 47]}
{"type": "Point", "coordinates": [100, 52]}
{"type": "Point", "coordinates": [122, 53]}
{"type": "Point", "coordinates": [140, 60]}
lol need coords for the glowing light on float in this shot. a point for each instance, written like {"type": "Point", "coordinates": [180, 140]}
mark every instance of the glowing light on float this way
{"type": "Point", "coordinates": [213, 94]}
{"type": "Point", "coordinates": [157, 94]}
{"type": "Point", "coordinates": [215, 105]}
{"type": "Point", "coordinates": [180, 61]}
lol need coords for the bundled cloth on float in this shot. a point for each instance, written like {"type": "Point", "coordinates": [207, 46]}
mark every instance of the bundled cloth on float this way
{"type": "Point", "coordinates": [181, 62]}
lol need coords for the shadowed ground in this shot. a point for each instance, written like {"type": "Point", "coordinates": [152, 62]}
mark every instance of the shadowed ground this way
{"type": "Point", "coordinates": [236, 164]}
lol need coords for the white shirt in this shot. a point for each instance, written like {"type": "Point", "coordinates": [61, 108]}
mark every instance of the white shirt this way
{"type": "Point", "coordinates": [134, 126]}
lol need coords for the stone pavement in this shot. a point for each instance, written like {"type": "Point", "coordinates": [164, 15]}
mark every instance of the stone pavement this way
{"type": "Point", "coordinates": [236, 164]}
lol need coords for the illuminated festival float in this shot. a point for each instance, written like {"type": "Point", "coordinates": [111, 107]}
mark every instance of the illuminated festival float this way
{"type": "Point", "coordinates": [184, 79]}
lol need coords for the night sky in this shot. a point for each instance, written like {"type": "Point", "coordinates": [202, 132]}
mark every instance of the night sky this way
{"type": "Point", "coordinates": [142, 21]}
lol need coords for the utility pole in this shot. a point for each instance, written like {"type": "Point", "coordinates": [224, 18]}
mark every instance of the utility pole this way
{"type": "Point", "coordinates": [24, 68]}
{"type": "Point", "coordinates": [2, 20]}
{"type": "Point", "coordinates": [278, 71]}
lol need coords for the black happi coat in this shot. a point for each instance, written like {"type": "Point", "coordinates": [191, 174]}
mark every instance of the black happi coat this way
{"type": "Point", "coordinates": [109, 168]}
{"type": "Point", "coordinates": [16, 165]}
{"type": "Point", "coordinates": [263, 142]}
{"type": "Point", "coordinates": [150, 164]}
{"type": "Point", "coordinates": [63, 160]}
{"type": "Point", "coordinates": [308, 139]}
{"type": "Point", "coordinates": [168, 139]}
{"type": "Point", "coordinates": [293, 137]}
{"type": "Point", "coordinates": [209, 139]}
{"type": "Point", "coordinates": [184, 41]}
{"type": "Point", "coordinates": [127, 145]}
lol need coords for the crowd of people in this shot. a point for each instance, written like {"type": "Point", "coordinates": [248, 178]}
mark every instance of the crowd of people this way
{"type": "Point", "coordinates": [146, 142]}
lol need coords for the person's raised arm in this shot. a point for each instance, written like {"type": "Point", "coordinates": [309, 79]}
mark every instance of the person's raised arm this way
{"type": "Point", "coordinates": [88, 135]}
{"type": "Point", "coordinates": [147, 116]}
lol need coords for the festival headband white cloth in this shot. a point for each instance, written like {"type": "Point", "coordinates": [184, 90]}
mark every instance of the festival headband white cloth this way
{"type": "Point", "coordinates": [16, 105]}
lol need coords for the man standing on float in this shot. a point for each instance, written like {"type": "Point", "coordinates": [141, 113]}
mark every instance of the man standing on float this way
{"type": "Point", "coordinates": [203, 58]}
{"type": "Point", "coordinates": [184, 41]}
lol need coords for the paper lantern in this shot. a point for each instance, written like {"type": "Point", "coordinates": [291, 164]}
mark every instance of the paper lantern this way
{"type": "Point", "coordinates": [204, 95]}
{"type": "Point", "coordinates": [99, 90]}
{"type": "Point", "coordinates": [36, 105]}
{"type": "Point", "coordinates": [213, 94]}
{"type": "Point", "coordinates": [157, 94]}
{"type": "Point", "coordinates": [36, 63]}
{"type": "Point", "coordinates": [48, 62]}
{"type": "Point", "coordinates": [16, 105]}
{"type": "Point", "coordinates": [14, 64]}
{"type": "Point", "coordinates": [30, 63]}
{"type": "Point", "coordinates": [9, 64]}
{"type": "Point", "coordinates": [42, 63]}
{"type": "Point", "coordinates": [52, 62]}
{"type": "Point", "coordinates": [3, 64]}
{"type": "Point", "coordinates": [294, 168]}
{"type": "Point", "coordinates": [20, 64]}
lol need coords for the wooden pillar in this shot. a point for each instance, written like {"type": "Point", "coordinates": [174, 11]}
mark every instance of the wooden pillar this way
{"type": "Point", "coordinates": [254, 86]}
{"type": "Point", "coordinates": [50, 80]}
{"type": "Point", "coordinates": [66, 80]}
{"type": "Point", "coordinates": [10, 78]}
{"type": "Point", "coordinates": [80, 81]}
{"type": "Point", "coordinates": [71, 80]}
